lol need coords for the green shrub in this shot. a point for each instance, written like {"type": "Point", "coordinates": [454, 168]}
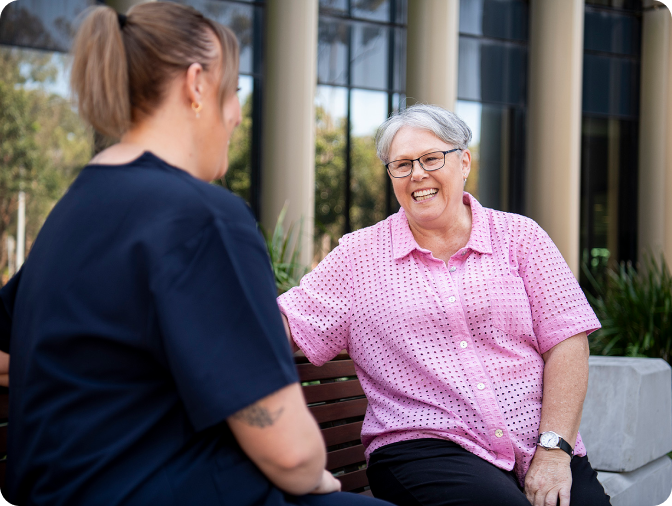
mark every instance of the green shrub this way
{"type": "Point", "coordinates": [634, 307]}
{"type": "Point", "coordinates": [284, 250]}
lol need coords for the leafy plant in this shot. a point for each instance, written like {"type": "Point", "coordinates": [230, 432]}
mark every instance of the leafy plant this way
{"type": "Point", "coordinates": [285, 249]}
{"type": "Point", "coordinates": [635, 309]}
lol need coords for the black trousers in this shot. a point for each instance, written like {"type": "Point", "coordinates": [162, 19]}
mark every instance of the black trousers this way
{"type": "Point", "coordinates": [433, 472]}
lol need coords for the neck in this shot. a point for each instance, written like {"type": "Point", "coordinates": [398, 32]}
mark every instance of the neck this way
{"type": "Point", "coordinates": [163, 135]}
{"type": "Point", "coordinates": [446, 236]}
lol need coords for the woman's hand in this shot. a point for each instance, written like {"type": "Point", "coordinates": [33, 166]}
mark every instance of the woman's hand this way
{"type": "Point", "coordinates": [4, 369]}
{"type": "Point", "coordinates": [549, 478]}
{"type": "Point", "coordinates": [327, 484]}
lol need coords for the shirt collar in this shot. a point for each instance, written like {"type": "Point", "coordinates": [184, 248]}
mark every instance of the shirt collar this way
{"type": "Point", "coordinates": [403, 241]}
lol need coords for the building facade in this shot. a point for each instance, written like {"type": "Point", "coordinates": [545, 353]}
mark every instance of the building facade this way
{"type": "Point", "coordinates": [569, 102]}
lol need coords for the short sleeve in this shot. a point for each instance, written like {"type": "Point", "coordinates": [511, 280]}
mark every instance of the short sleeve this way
{"type": "Point", "coordinates": [7, 297]}
{"type": "Point", "coordinates": [221, 329]}
{"type": "Point", "coordinates": [559, 307]}
{"type": "Point", "coordinates": [318, 311]}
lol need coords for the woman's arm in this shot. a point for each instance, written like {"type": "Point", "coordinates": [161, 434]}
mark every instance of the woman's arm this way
{"type": "Point", "coordinates": [281, 437]}
{"type": "Point", "coordinates": [565, 383]}
{"type": "Point", "coordinates": [4, 369]}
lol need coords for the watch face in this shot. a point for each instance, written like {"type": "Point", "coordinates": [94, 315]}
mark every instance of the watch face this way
{"type": "Point", "coordinates": [549, 440]}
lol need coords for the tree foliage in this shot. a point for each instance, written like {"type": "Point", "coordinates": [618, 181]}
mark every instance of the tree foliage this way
{"type": "Point", "coordinates": [43, 143]}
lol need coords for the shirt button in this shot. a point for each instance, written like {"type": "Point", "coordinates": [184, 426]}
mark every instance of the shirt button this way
{"type": "Point", "coordinates": [451, 299]}
{"type": "Point", "coordinates": [499, 433]}
{"type": "Point", "coordinates": [453, 269]}
{"type": "Point", "coordinates": [463, 344]}
{"type": "Point", "coordinates": [463, 253]}
{"type": "Point", "coordinates": [481, 386]}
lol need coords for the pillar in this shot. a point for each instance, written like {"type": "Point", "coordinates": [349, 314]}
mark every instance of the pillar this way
{"type": "Point", "coordinates": [432, 52]}
{"type": "Point", "coordinates": [655, 135]}
{"type": "Point", "coordinates": [553, 173]}
{"type": "Point", "coordinates": [288, 134]}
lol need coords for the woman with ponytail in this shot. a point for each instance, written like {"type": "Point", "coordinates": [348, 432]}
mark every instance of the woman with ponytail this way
{"type": "Point", "coordinates": [149, 363]}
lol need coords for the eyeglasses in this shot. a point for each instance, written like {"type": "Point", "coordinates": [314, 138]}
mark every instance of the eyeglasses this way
{"type": "Point", "coordinates": [429, 162]}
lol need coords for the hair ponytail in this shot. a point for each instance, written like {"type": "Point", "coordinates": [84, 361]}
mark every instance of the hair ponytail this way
{"type": "Point", "coordinates": [122, 65]}
{"type": "Point", "coordinates": [99, 77]}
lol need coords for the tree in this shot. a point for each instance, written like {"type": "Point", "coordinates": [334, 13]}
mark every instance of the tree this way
{"type": "Point", "coordinates": [43, 143]}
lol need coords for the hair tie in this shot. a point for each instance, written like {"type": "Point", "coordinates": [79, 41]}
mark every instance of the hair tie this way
{"type": "Point", "coordinates": [122, 20]}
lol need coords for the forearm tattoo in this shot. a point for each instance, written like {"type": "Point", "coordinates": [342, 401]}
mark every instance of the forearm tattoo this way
{"type": "Point", "coordinates": [257, 416]}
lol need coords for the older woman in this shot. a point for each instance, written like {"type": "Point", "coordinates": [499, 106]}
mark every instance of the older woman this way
{"type": "Point", "coordinates": [460, 320]}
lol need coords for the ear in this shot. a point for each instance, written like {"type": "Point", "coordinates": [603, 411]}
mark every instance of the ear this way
{"type": "Point", "coordinates": [466, 163]}
{"type": "Point", "coordinates": [195, 83]}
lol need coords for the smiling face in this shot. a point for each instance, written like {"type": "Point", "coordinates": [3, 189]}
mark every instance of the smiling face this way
{"type": "Point", "coordinates": [430, 199]}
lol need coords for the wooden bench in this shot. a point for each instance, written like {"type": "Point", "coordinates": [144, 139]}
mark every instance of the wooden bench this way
{"type": "Point", "coordinates": [336, 400]}
{"type": "Point", "coordinates": [334, 397]}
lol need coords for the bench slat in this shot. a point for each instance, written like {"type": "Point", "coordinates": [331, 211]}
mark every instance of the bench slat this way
{"type": "Point", "coordinates": [345, 457]}
{"type": "Point", "coordinates": [356, 479]}
{"type": "Point", "coordinates": [332, 391]}
{"type": "Point", "coordinates": [339, 410]}
{"type": "Point", "coordinates": [338, 369]}
{"type": "Point", "coordinates": [342, 434]}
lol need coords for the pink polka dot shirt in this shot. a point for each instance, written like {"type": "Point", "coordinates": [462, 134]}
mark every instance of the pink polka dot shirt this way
{"type": "Point", "coordinates": [449, 351]}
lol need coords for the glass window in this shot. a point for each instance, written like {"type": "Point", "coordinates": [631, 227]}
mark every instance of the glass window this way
{"type": "Point", "coordinates": [361, 77]}
{"type": "Point", "coordinates": [331, 110]}
{"type": "Point", "coordinates": [368, 178]}
{"type": "Point", "coordinates": [374, 10]}
{"type": "Point", "coordinates": [332, 51]}
{"type": "Point", "coordinates": [494, 19]}
{"type": "Point", "coordinates": [492, 71]}
{"type": "Point", "coordinates": [238, 17]}
{"type": "Point", "coordinates": [610, 86]}
{"type": "Point", "coordinates": [492, 93]}
{"type": "Point", "coordinates": [43, 144]}
{"type": "Point", "coordinates": [611, 32]}
{"type": "Point", "coordinates": [41, 24]}
{"type": "Point", "coordinates": [369, 58]}
{"type": "Point", "coordinates": [608, 193]}
{"type": "Point", "coordinates": [609, 136]}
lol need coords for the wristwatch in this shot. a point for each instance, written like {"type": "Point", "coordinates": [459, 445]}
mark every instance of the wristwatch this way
{"type": "Point", "coordinates": [549, 440]}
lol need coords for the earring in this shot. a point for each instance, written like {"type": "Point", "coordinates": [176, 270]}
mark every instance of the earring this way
{"type": "Point", "coordinates": [197, 108]}
{"type": "Point", "coordinates": [465, 182]}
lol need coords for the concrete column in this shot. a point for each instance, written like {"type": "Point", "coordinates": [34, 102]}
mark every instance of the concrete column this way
{"type": "Point", "coordinates": [655, 135]}
{"type": "Point", "coordinates": [432, 52]}
{"type": "Point", "coordinates": [288, 156]}
{"type": "Point", "coordinates": [554, 122]}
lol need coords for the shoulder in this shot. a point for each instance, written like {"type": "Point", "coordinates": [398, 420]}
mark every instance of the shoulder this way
{"type": "Point", "coordinates": [373, 236]}
{"type": "Point", "coordinates": [515, 227]}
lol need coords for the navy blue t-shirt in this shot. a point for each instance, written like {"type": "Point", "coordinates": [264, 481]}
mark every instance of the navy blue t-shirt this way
{"type": "Point", "coordinates": [144, 316]}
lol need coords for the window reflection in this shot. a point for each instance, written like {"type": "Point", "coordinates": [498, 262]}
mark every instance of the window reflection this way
{"type": "Point", "coordinates": [497, 146]}
{"type": "Point", "coordinates": [608, 193]}
{"type": "Point", "coordinates": [42, 24]}
{"type": "Point", "coordinates": [239, 175]}
{"type": "Point", "coordinates": [239, 18]}
{"type": "Point", "coordinates": [374, 10]}
{"type": "Point", "coordinates": [495, 18]}
{"type": "Point", "coordinates": [43, 144]}
{"type": "Point", "coordinates": [369, 55]}
{"type": "Point", "coordinates": [368, 179]}
{"type": "Point", "coordinates": [331, 108]}
{"type": "Point", "coordinates": [332, 52]}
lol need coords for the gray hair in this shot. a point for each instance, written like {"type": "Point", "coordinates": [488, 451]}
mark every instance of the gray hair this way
{"type": "Point", "coordinates": [446, 125]}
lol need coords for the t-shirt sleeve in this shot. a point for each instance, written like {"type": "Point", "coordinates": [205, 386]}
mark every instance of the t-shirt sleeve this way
{"type": "Point", "coordinates": [7, 297]}
{"type": "Point", "coordinates": [559, 307]}
{"type": "Point", "coordinates": [222, 332]}
{"type": "Point", "coordinates": [318, 311]}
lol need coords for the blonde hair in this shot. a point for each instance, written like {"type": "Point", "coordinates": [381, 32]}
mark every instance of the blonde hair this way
{"type": "Point", "coordinates": [121, 65]}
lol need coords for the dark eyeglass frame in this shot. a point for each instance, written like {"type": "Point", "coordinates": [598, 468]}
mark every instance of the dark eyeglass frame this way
{"type": "Point", "coordinates": [387, 165]}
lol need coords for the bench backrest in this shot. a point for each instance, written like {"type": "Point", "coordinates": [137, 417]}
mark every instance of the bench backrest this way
{"type": "Point", "coordinates": [336, 400]}
{"type": "Point", "coordinates": [334, 397]}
